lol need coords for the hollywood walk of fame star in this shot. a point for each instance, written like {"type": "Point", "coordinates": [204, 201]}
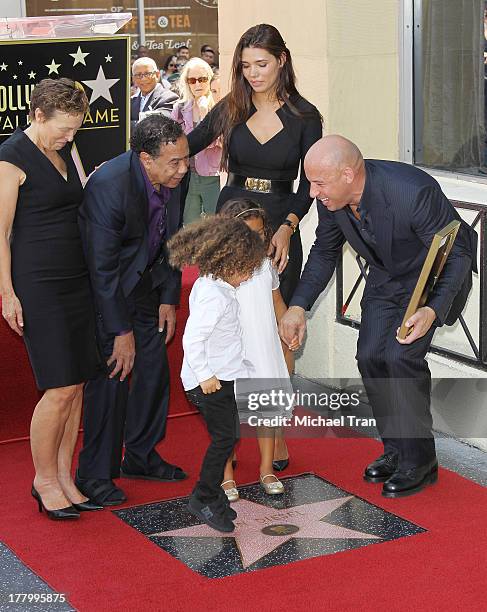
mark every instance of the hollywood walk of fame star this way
{"type": "Point", "coordinates": [101, 86]}
{"type": "Point", "coordinates": [3, 66]}
{"type": "Point", "coordinates": [53, 67]}
{"type": "Point", "coordinates": [79, 57]}
{"type": "Point", "coordinates": [108, 58]}
{"type": "Point", "coordinates": [260, 529]}
{"type": "Point", "coordinates": [32, 75]}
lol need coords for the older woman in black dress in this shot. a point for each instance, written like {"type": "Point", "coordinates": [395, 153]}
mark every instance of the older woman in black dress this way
{"type": "Point", "coordinates": [44, 283]}
{"type": "Point", "coordinates": [267, 128]}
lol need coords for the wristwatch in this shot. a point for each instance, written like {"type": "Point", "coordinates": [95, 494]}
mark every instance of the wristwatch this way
{"type": "Point", "coordinates": [293, 226]}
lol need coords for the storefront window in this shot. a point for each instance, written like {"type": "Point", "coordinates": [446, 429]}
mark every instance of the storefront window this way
{"type": "Point", "coordinates": [450, 90]}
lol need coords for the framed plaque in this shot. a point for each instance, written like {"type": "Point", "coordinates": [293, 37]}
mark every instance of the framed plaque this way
{"type": "Point", "coordinates": [433, 265]}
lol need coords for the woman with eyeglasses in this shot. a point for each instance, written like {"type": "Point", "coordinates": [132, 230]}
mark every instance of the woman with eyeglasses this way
{"type": "Point", "coordinates": [267, 128]}
{"type": "Point", "coordinates": [196, 101]}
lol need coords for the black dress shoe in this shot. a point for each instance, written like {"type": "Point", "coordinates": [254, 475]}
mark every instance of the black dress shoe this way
{"type": "Point", "coordinates": [212, 514]}
{"type": "Point", "coordinates": [88, 506]}
{"type": "Point", "coordinates": [382, 468]}
{"type": "Point", "coordinates": [409, 482]}
{"type": "Point", "coordinates": [61, 514]}
{"type": "Point", "coordinates": [165, 472]}
{"type": "Point", "coordinates": [100, 491]}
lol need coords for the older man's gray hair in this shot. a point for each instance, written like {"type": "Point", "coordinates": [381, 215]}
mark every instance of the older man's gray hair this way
{"type": "Point", "coordinates": [144, 61]}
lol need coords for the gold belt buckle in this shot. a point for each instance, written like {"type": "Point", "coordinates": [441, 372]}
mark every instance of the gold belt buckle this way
{"type": "Point", "coordinates": [258, 184]}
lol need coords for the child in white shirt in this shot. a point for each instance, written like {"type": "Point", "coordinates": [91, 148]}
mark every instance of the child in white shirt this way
{"type": "Point", "coordinates": [226, 252]}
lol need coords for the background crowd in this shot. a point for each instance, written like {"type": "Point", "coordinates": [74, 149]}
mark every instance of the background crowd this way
{"type": "Point", "coordinates": [185, 88]}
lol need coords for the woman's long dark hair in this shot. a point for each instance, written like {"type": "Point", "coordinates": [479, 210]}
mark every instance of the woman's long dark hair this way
{"type": "Point", "coordinates": [235, 107]}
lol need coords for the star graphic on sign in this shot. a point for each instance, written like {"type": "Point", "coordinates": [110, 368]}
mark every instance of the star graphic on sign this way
{"type": "Point", "coordinates": [108, 58]}
{"type": "Point", "coordinates": [20, 62]}
{"type": "Point", "coordinates": [15, 77]}
{"type": "Point", "coordinates": [4, 66]}
{"type": "Point", "coordinates": [259, 529]}
{"type": "Point", "coordinates": [32, 75]}
{"type": "Point", "coordinates": [79, 57]}
{"type": "Point", "coordinates": [53, 67]}
{"type": "Point", "coordinates": [101, 86]}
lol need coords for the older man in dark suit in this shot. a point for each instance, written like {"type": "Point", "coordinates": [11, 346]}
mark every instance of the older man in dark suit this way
{"type": "Point", "coordinates": [389, 213]}
{"type": "Point", "coordinates": [132, 205]}
{"type": "Point", "coordinates": [152, 96]}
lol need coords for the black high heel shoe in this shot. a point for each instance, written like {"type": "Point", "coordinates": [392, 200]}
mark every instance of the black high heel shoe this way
{"type": "Point", "coordinates": [87, 506]}
{"type": "Point", "coordinates": [61, 514]}
{"type": "Point", "coordinates": [280, 464]}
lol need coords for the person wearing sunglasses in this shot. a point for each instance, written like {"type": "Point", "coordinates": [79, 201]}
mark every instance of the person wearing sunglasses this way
{"type": "Point", "coordinates": [170, 67]}
{"type": "Point", "coordinates": [152, 96]}
{"type": "Point", "coordinates": [196, 101]}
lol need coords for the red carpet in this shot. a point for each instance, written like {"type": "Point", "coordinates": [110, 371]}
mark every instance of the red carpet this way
{"type": "Point", "coordinates": [19, 395]}
{"type": "Point", "coordinates": [103, 564]}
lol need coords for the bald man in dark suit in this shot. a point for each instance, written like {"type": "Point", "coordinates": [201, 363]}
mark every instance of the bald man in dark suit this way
{"type": "Point", "coordinates": [388, 212]}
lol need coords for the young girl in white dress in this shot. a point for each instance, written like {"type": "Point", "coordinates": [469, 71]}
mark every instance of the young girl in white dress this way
{"type": "Point", "coordinates": [261, 307]}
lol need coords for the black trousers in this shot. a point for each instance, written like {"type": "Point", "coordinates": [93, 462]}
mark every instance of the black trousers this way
{"type": "Point", "coordinates": [113, 412]}
{"type": "Point", "coordinates": [219, 410]}
{"type": "Point", "coordinates": [396, 377]}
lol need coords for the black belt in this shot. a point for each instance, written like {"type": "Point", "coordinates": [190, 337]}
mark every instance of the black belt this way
{"type": "Point", "coordinates": [259, 185]}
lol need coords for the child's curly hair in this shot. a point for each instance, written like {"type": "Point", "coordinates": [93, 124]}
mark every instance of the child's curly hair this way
{"type": "Point", "coordinates": [246, 208]}
{"type": "Point", "coordinates": [219, 246]}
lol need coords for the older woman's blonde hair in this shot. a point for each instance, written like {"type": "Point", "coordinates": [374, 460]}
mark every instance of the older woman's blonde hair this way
{"type": "Point", "coordinates": [184, 88]}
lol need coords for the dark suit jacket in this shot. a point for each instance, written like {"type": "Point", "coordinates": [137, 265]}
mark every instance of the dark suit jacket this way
{"type": "Point", "coordinates": [407, 207]}
{"type": "Point", "coordinates": [161, 99]}
{"type": "Point", "coordinates": [113, 220]}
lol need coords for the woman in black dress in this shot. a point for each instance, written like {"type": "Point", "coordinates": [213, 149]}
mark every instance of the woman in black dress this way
{"type": "Point", "coordinates": [44, 283]}
{"type": "Point", "coordinates": [267, 128]}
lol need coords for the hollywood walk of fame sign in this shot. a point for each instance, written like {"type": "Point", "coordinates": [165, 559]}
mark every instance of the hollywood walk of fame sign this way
{"type": "Point", "coordinates": [100, 65]}
{"type": "Point", "coordinates": [313, 518]}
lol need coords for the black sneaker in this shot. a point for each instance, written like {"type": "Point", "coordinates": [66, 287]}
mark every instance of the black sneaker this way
{"type": "Point", "coordinates": [213, 515]}
{"type": "Point", "coordinates": [229, 511]}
